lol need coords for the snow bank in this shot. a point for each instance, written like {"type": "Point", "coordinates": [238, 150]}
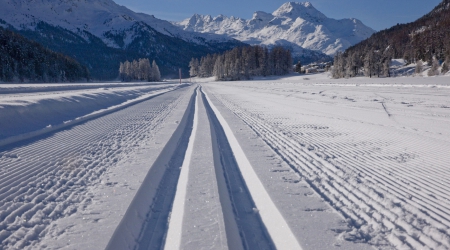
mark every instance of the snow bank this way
{"type": "Point", "coordinates": [24, 116]}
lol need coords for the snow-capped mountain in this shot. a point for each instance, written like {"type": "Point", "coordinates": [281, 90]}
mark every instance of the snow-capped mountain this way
{"type": "Point", "coordinates": [82, 28]}
{"type": "Point", "coordinates": [299, 24]}
{"type": "Point", "coordinates": [103, 19]}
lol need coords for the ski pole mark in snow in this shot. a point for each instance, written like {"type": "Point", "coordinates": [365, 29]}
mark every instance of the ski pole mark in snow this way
{"type": "Point", "coordinates": [385, 109]}
{"type": "Point", "coordinates": [175, 227]}
{"type": "Point", "coordinates": [278, 229]}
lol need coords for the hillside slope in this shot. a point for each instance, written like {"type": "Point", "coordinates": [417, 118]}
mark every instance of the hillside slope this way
{"type": "Point", "coordinates": [25, 60]}
{"type": "Point", "coordinates": [419, 40]}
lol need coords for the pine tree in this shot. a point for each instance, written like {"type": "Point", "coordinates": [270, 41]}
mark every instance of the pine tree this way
{"type": "Point", "coordinates": [219, 72]}
{"type": "Point", "coordinates": [146, 69]}
{"type": "Point", "coordinates": [127, 70]}
{"type": "Point", "coordinates": [298, 67]}
{"type": "Point", "coordinates": [368, 64]}
{"type": "Point", "coordinates": [434, 70]}
{"type": "Point", "coordinates": [445, 65]}
{"type": "Point", "coordinates": [155, 72]}
{"type": "Point", "coordinates": [386, 67]}
{"type": "Point", "coordinates": [122, 72]}
{"type": "Point", "coordinates": [419, 67]}
{"type": "Point", "coordinates": [338, 66]}
{"type": "Point", "coordinates": [193, 67]}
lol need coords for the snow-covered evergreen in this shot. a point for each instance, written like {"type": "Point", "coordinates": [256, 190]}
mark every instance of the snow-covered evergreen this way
{"type": "Point", "coordinates": [243, 63]}
{"type": "Point", "coordinates": [139, 70]}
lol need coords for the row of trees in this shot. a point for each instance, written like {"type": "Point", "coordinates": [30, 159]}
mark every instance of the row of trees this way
{"type": "Point", "coordinates": [434, 69]}
{"type": "Point", "coordinates": [27, 61]}
{"type": "Point", "coordinates": [376, 63]}
{"type": "Point", "coordinates": [427, 40]}
{"type": "Point", "coordinates": [139, 70]}
{"type": "Point", "coordinates": [371, 63]}
{"type": "Point", "coordinates": [243, 63]}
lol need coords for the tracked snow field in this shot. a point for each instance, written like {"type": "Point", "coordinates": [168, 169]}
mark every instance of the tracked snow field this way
{"type": "Point", "coordinates": [291, 163]}
{"type": "Point", "coordinates": [52, 177]}
{"type": "Point", "coordinates": [378, 154]}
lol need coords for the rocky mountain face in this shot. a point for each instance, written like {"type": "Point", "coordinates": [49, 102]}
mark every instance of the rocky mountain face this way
{"type": "Point", "coordinates": [100, 34]}
{"type": "Point", "coordinates": [294, 24]}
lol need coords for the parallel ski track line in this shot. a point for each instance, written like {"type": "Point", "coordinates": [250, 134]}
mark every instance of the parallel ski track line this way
{"type": "Point", "coordinates": [38, 190]}
{"type": "Point", "coordinates": [277, 227]}
{"type": "Point", "coordinates": [144, 224]}
{"type": "Point", "coordinates": [412, 174]}
{"type": "Point", "coordinates": [244, 226]}
{"type": "Point", "coordinates": [344, 194]}
{"type": "Point", "coordinates": [443, 212]}
{"type": "Point", "coordinates": [350, 161]}
{"type": "Point", "coordinates": [174, 231]}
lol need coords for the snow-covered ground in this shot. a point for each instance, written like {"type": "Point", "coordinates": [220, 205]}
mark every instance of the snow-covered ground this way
{"type": "Point", "coordinates": [299, 162]}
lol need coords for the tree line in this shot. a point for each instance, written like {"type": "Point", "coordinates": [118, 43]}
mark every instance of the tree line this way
{"type": "Point", "coordinates": [242, 63]}
{"type": "Point", "coordinates": [426, 40]}
{"type": "Point", "coordinates": [139, 70]}
{"type": "Point", "coordinates": [22, 60]}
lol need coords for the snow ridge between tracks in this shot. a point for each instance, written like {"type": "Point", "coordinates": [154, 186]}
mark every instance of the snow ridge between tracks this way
{"type": "Point", "coordinates": [176, 218]}
{"type": "Point", "coordinates": [279, 230]}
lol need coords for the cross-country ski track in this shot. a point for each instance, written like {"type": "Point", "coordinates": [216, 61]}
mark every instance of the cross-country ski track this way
{"type": "Point", "coordinates": [241, 165]}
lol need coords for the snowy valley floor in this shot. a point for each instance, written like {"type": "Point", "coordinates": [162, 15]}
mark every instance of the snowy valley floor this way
{"type": "Point", "coordinates": [300, 162]}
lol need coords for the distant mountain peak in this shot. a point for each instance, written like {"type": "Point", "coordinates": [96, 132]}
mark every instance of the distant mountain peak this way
{"type": "Point", "coordinates": [298, 24]}
{"type": "Point", "coordinates": [304, 10]}
{"type": "Point", "coordinates": [262, 16]}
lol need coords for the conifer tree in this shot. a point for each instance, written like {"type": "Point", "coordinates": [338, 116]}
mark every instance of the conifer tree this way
{"type": "Point", "coordinates": [298, 67]}
{"type": "Point", "coordinates": [156, 75]}
{"type": "Point", "coordinates": [434, 70]}
{"type": "Point", "coordinates": [193, 67]}
{"type": "Point", "coordinates": [419, 67]}
{"type": "Point", "coordinates": [445, 65]}
{"type": "Point", "coordinates": [140, 70]}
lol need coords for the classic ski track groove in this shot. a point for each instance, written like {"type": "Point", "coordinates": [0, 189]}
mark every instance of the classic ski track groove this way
{"type": "Point", "coordinates": [277, 227]}
{"type": "Point", "coordinates": [174, 231]}
{"type": "Point", "coordinates": [345, 193]}
{"type": "Point", "coordinates": [36, 188]}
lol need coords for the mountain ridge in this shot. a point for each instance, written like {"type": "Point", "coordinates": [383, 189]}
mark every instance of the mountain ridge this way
{"type": "Point", "coordinates": [300, 24]}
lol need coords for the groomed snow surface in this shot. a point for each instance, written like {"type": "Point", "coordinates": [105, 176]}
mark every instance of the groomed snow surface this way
{"type": "Point", "coordinates": [300, 162]}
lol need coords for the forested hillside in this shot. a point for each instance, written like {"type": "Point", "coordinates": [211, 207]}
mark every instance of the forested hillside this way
{"type": "Point", "coordinates": [103, 62]}
{"type": "Point", "coordinates": [424, 39]}
{"type": "Point", "coordinates": [25, 60]}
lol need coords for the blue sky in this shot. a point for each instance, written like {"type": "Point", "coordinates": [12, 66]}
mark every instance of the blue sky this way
{"type": "Point", "coordinates": [377, 14]}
